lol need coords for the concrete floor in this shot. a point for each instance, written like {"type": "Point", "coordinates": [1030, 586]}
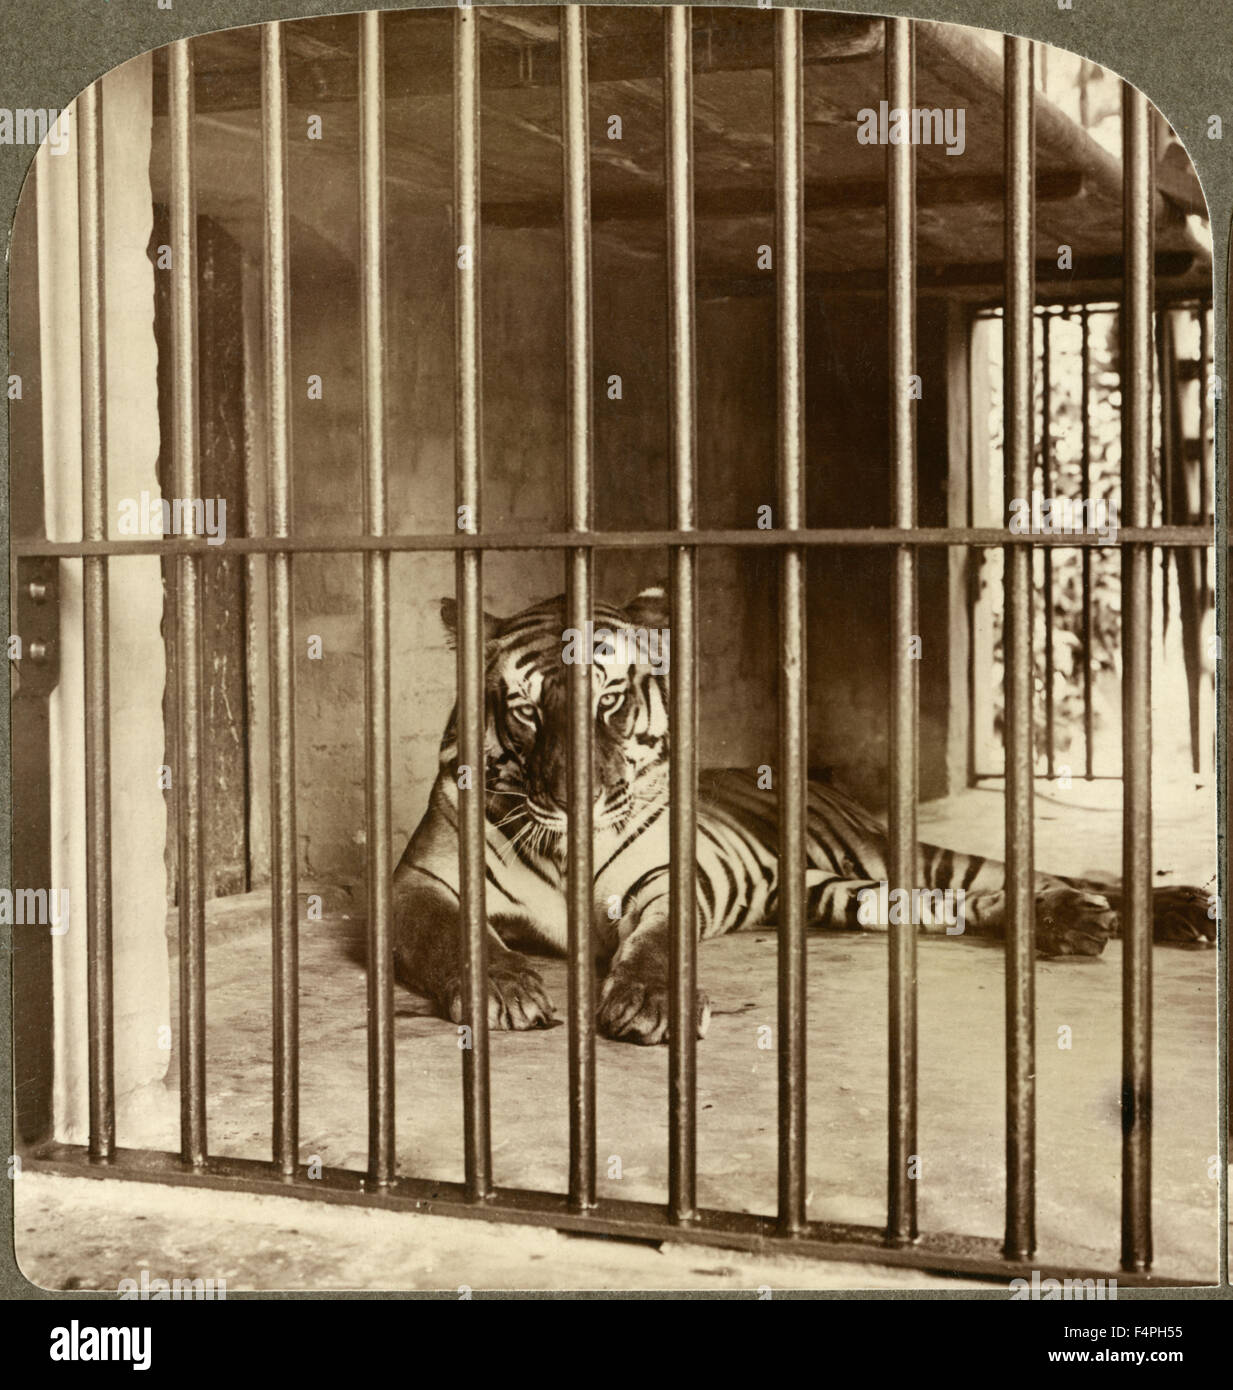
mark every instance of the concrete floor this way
{"type": "Point", "coordinates": [86, 1232]}
{"type": "Point", "coordinates": [76, 1234]}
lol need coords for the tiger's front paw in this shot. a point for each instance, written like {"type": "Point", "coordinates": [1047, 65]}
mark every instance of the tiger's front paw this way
{"type": "Point", "coordinates": [1070, 922]}
{"type": "Point", "coordinates": [635, 1010]}
{"type": "Point", "coordinates": [517, 999]}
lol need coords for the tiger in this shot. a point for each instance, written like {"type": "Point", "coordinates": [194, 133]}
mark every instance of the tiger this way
{"type": "Point", "coordinates": [525, 791]}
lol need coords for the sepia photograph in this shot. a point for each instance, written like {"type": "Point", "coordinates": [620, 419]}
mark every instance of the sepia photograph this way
{"type": "Point", "coordinates": [613, 664]}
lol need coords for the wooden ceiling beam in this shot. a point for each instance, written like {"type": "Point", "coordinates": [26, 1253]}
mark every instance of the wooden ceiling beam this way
{"type": "Point", "coordinates": [419, 60]}
{"type": "Point", "coordinates": [1101, 278]}
{"type": "Point", "coordinates": [647, 205]}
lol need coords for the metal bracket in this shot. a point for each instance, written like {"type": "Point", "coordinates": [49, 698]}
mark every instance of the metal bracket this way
{"type": "Point", "coordinates": [38, 625]}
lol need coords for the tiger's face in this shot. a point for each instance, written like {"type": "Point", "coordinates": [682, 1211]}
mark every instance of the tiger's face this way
{"type": "Point", "coordinates": [527, 718]}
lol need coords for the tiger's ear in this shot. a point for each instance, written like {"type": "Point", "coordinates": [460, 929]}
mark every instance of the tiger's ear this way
{"type": "Point", "coordinates": [650, 608]}
{"type": "Point", "coordinates": [449, 617]}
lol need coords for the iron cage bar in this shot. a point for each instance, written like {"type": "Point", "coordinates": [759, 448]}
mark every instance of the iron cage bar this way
{"type": "Point", "coordinates": [381, 1159]}
{"type": "Point", "coordinates": [188, 605]}
{"type": "Point", "coordinates": [283, 877]}
{"type": "Point", "coordinates": [683, 693]}
{"type": "Point", "coordinates": [99, 985]}
{"type": "Point", "coordinates": [793, 746]}
{"type": "Point", "coordinates": [579, 492]}
{"type": "Point", "coordinates": [903, 758]}
{"type": "Point", "coordinates": [988, 537]}
{"type": "Point", "coordinates": [469, 587]}
{"type": "Point", "coordinates": [1137, 347]}
{"type": "Point", "coordinates": [1020, 906]}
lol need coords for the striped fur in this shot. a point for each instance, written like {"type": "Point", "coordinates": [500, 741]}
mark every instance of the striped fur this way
{"type": "Point", "coordinates": [525, 797]}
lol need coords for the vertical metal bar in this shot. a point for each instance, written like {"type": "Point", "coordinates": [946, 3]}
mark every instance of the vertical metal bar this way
{"type": "Point", "coordinates": [28, 733]}
{"type": "Point", "coordinates": [1085, 491]}
{"type": "Point", "coordinates": [99, 999]}
{"type": "Point", "coordinates": [1205, 480]}
{"type": "Point", "coordinates": [793, 754]}
{"type": "Point", "coordinates": [186, 483]}
{"type": "Point", "coordinates": [1165, 348]}
{"type": "Point", "coordinates": [1017, 645]}
{"type": "Point", "coordinates": [581, 962]}
{"type": "Point", "coordinates": [683, 773]}
{"type": "Point", "coordinates": [376, 605]}
{"type": "Point", "coordinates": [1138, 211]}
{"type": "Point", "coordinates": [1046, 477]}
{"type": "Point", "coordinates": [1222, 503]}
{"type": "Point", "coordinates": [1172, 467]}
{"type": "Point", "coordinates": [281, 608]}
{"type": "Point", "coordinates": [903, 866]}
{"type": "Point", "coordinates": [469, 586]}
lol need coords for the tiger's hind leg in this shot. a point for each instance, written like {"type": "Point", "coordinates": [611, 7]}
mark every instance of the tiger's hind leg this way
{"type": "Point", "coordinates": [849, 855]}
{"type": "Point", "coordinates": [1072, 919]}
{"type": "Point", "coordinates": [1181, 915]}
{"type": "Point", "coordinates": [1184, 915]}
{"type": "Point", "coordinates": [1076, 919]}
{"type": "Point", "coordinates": [1076, 916]}
{"type": "Point", "coordinates": [965, 893]}
{"type": "Point", "coordinates": [1069, 921]}
{"type": "Point", "coordinates": [959, 895]}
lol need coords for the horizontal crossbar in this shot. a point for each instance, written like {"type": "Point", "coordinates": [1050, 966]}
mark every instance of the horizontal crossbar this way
{"type": "Point", "coordinates": [446, 542]}
{"type": "Point", "coordinates": [972, 1256]}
